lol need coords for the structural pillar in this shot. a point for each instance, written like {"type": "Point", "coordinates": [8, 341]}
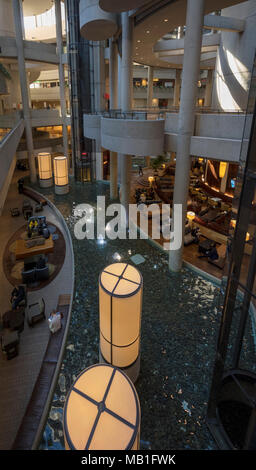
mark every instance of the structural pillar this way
{"type": "Point", "coordinates": [176, 98]}
{"type": "Point", "coordinates": [150, 86]}
{"type": "Point", "coordinates": [61, 78]}
{"type": "Point", "coordinates": [208, 89]}
{"type": "Point", "coordinates": [126, 104]}
{"type": "Point", "coordinates": [191, 67]}
{"type": "Point", "coordinates": [24, 86]}
{"type": "Point", "coordinates": [113, 99]}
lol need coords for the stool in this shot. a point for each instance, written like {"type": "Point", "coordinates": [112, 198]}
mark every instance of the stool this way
{"type": "Point", "coordinates": [10, 344]}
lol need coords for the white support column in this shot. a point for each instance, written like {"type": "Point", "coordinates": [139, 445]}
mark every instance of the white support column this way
{"type": "Point", "coordinates": [126, 104]}
{"type": "Point", "coordinates": [208, 89]}
{"type": "Point", "coordinates": [24, 87]}
{"type": "Point", "coordinates": [113, 176]}
{"type": "Point", "coordinates": [191, 64]}
{"type": "Point", "coordinates": [150, 86]}
{"type": "Point", "coordinates": [176, 97]}
{"type": "Point", "coordinates": [61, 78]}
{"type": "Point", "coordinates": [113, 88]}
{"type": "Point", "coordinates": [127, 67]}
{"type": "Point", "coordinates": [113, 74]}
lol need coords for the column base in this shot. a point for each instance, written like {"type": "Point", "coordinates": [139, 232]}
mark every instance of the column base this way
{"type": "Point", "coordinates": [62, 189]}
{"type": "Point", "coordinates": [46, 183]}
{"type": "Point", "coordinates": [132, 371]}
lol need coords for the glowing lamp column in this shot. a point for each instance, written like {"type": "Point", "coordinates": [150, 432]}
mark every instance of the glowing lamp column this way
{"type": "Point", "coordinates": [45, 169]}
{"type": "Point", "coordinates": [120, 304]}
{"type": "Point", "coordinates": [60, 167]}
{"type": "Point", "coordinates": [102, 411]}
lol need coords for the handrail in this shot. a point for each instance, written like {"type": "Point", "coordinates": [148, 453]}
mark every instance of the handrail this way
{"type": "Point", "coordinates": [146, 114]}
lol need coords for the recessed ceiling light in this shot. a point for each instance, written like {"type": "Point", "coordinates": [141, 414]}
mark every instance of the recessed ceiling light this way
{"type": "Point", "coordinates": [148, 31]}
{"type": "Point", "coordinates": [166, 20]}
{"type": "Point", "coordinates": [138, 40]}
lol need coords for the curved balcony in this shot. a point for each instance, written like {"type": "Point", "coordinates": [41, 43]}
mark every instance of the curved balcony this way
{"type": "Point", "coordinates": [96, 24]}
{"type": "Point", "coordinates": [121, 5]}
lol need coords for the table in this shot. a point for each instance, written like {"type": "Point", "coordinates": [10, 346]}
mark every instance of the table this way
{"type": "Point", "coordinates": [21, 251]}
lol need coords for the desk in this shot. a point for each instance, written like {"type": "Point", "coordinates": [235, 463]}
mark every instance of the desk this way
{"type": "Point", "coordinates": [21, 251]}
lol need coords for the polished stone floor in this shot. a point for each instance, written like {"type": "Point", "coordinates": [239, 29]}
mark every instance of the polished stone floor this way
{"type": "Point", "coordinates": [180, 322]}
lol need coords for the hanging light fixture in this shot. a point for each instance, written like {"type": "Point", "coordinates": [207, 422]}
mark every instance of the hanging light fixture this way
{"type": "Point", "coordinates": [45, 169]}
{"type": "Point", "coordinates": [60, 167]}
{"type": "Point", "coordinates": [120, 304]}
{"type": "Point", "coordinates": [102, 411]}
{"type": "Point", "coordinates": [222, 169]}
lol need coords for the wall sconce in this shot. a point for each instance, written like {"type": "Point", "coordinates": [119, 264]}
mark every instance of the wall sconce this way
{"type": "Point", "coordinates": [200, 160]}
{"type": "Point", "coordinates": [102, 411]}
{"type": "Point", "coordinates": [45, 169]}
{"type": "Point", "coordinates": [60, 167]}
{"type": "Point", "coordinates": [233, 223]}
{"type": "Point", "coordinates": [120, 304]}
{"type": "Point", "coordinates": [222, 169]}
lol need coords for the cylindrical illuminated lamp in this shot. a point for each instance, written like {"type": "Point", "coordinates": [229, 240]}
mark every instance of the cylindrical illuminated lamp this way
{"type": "Point", "coordinates": [120, 304]}
{"type": "Point", "coordinates": [222, 169]}
{"type": "Point", "coordinates": [102, 411]}
{"type": "Point", "coordinates": [150, 180]}
{"type": "Point", "coordinates": [190, 216]}
{"type": "Point", "coordinates": [60, 167]}
{"type": "Point", "coordinates": [45, 169]}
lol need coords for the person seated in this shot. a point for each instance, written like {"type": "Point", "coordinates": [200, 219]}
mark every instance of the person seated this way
{"type": "Point", "coordinates": [40, 263]}
{"type": "Point", "coordinates": [17, 295]}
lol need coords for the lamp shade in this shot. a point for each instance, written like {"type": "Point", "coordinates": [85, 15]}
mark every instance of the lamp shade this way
{"type": "Point", "coordinates": [120, 304]}
{"type": "Point", "coordinates": [222, 169]}
{"type": "Point", "coordinates": [60, 167]}
{"type": "Point", "coordinates": [45, 169]}
{"type": "Point", "coordinates": [191, 215]}
{"type": "Point", "coordinates": [102, 411]}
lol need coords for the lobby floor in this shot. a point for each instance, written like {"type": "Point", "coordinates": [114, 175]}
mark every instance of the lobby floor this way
{"type": "Point", "coordinates": [180, 323]}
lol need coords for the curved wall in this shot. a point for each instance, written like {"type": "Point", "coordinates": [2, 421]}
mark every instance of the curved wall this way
{"type": "Point", "coordinates": [92, 125]}
{"type": "Point", "coordinates": [131, 137]}
{"type": "Point", "coordinates": [121, 5]}
{"type": "Point", "coordinates": [96, 24]}
{"type": "Point", "coordinates": [235, 60]}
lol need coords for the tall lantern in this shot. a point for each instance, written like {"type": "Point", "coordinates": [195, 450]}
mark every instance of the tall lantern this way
{"type": "Point", "coordinates": [120, 304]}
{"type": "Point", "coordinates": [102, 411]}
{"type": "Point", "coordinates": [222, 169]}
{"type": "Point", "coordinates": [45, 169]}
{"type": "Point", "coordinates": [60, 167]}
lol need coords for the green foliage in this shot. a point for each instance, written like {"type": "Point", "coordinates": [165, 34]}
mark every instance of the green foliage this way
{"type": "Point", "coordinates": [158, 161]}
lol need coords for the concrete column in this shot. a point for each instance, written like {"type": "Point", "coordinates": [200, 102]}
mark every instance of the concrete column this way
{"type": "Point", "coordinates": [127, 67]}
{"type": "Point", "coordinates": [113, 74]}
{"type": "Point", "coordinates": [99, 160]}
{"type": "Point", "coordinates": [99, 76]}
{"type": "Point", "coordinates": [119, 105]}
{"type": "Point", "coordinates": [176, 97]}
{"type": "Point", "coordinates": [148, 160]}
{"type": "Point", "coordinates": [208, 89]}
{"type": "Point", "coordinates": [24, 87]}
{"type": "Point", "coordinates": [113, 89]}
{"type": "Point", "coordinates": [126, 104]}
{"type": "Point", "coordinates": [150, 86]}
{"type": "Point", "coordinates": [113, 175]}
{"type": "Point", "coordinates": [61, 78]}
{"type": "Point", "coordinates": [191, 65]}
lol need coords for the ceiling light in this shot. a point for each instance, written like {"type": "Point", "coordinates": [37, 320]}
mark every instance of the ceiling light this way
{"type": "Point", "coordinates": [138, 40]}
{"type": "Point", "coordinates": [148, 31]}
{"type": "Point", "coordinates": [166, 20]}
